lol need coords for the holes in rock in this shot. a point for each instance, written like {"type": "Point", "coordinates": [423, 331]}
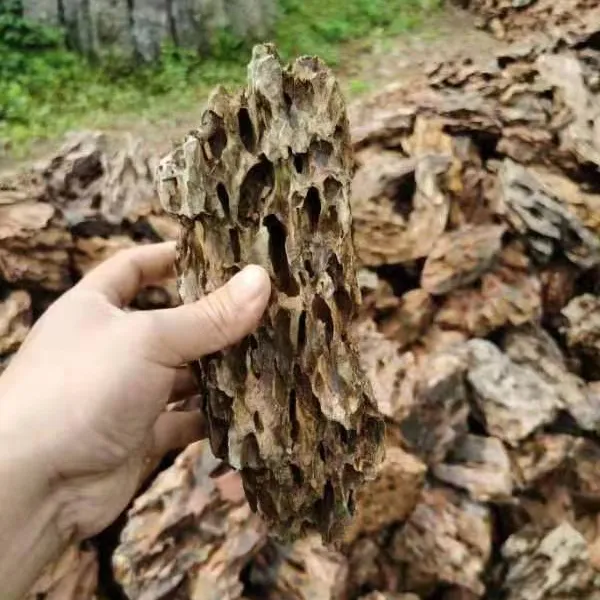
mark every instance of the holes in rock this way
{"type": "Point", "coordinates": [322, 452]}
{"type": "Point", "coordinates": [344, 303]}
{"type": "Point", "coordinates": [312, 208]}
{"type": "Point", "coordinates": [223, 199]}
{"type": "Point", "coordinates": [278, 255]}
{"type": "Point", "coordinates": [321, 152]}
{"type": "Point", "coordinates": [217, 141]}
{"type": "Point", "coordinates": [343, 435]}
{"type": "Point", "coordinates": [288, 101]}
{"type": "Point", "coordinates": [257, 184]}
{"type": "Point", "coordinates": [301, 163]}
{"type": "Point", "coordinates": [301, 332]}
{"type": "Point", "coordinates": [487, 145]}
{"type": "Point", "coordinates": [296, 475]}
{"type": "Point", "coordinates": [325, 505]}
{"type": "Point", "coordinates": [332, 187]}
{"type": "Point", "coordinates": [351, 502]}
{"type": "Point", "coordinates": [294, 425]}
{"type": "Point", "coordinates": [247, 134]}
{"type": "Point", "coordinates": [308, 268]}
{"type": "Point", "coordinates": [258, 425]}
{"type": "Point", "coordinates": [404, 195]}
{"type": "Point", "coordinates": [234, 238]}
{"type": "Point", "coordinates": [250, 454]}
{"type": "Point", "coordinates": [322, 312]}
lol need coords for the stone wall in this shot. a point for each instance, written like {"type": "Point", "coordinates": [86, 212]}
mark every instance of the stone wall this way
{"type": "Point", "coordinates": [139, 27]}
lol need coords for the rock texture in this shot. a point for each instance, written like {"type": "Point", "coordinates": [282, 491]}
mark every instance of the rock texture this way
{"type": "Point", "coordinates": [265, 180]}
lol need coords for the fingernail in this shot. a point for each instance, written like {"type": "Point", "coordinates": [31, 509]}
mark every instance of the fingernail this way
{"type": "Point", "coordinates": [249, 284]}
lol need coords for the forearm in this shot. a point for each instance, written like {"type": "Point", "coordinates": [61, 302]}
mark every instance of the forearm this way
{"type": "Point", "coordinates": [29, 537]}
{"type": "Point", "coordinates": [28, 542]}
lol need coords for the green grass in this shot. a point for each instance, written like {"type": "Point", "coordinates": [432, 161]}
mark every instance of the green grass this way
{"type": "Point", "coordinates": [46, 90]}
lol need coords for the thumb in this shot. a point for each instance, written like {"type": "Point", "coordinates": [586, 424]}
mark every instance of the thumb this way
{"type": "Point", "coordinates": [218, 320]}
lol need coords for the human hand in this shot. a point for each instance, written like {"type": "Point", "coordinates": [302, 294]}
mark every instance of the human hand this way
{"type": "Point", "coordinates": [82, 405]}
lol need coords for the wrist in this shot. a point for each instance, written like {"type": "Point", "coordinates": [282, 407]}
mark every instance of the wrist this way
{"type": "Point", "coordinates": [29, 534]}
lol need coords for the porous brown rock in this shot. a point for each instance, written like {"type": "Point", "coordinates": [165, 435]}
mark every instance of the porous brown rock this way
{"type": "Point", "coordinates": [266, 179]}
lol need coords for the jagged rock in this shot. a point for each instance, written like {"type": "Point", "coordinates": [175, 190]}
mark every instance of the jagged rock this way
{"type": "Point", "coordinates": [547, 226]}
{"type": "Point", "coordinates": [558, 287]}
{"type": "Point", "coordinates": [534, 347]}
{"type": "Point", "coordinates": [34, 245]}
{"type": "Point", "coordinates": [509, 20]}
{"type": "Point", "coordinates": [540, 456]}
{"type": "Point", "coordinates": [391, 223]}
{"type": "Point", "coordinates": [73, 576]}
{"type": "Point", "coordinates": [303, 571]}
{"type": "Point", "coordinates": [479, 465]}
{"type": "Point", "coordinates": [509, 294]}
{"type": "Point", "coordinates": [513, 401]}
{"type": "Point", "coordinates": [582, 329]}
{"type": "Point", "coordinates": [378, 503]}
{"type": "Point", "coordinates": [266, 180]}
{"type": "Point", "coordinates": [15, 321]}
{"type": "Point", "coordinates": [446, 539]}
{"type": "Point", "coordinates": [98, 183]}
{"type": "Point", "coordinates": [438, 409]}
{"type": "Point", "coordinates": [551, 566]}
{"type": "Point", "coordinates": [384, 366]}
{"type": "Point", "coordinates": [190, 534]}
{"type": "Point", "coordinates": [409, 320]}
{"type": "Point", "coordinates": [459, 258]}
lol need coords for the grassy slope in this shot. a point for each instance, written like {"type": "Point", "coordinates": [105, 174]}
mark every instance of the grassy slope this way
{"type": "Point", "coordinates": [52, 90]}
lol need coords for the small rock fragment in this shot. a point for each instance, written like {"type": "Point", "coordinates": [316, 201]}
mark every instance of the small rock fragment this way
{"type": "Point", "coordinates": [306, 570]}
{"type": "Point", "coordinates": [481, 466]}
{"type": "Point", "coordinates": [73, 576]}
{"type": "Point", "coordinates": [582, 329]}
{"type": "Point", "coordinates": [459, 258]}
{"type": "Point", "coordinates": [34, 246]}
{"type": "Point", "coordinates": [551, 566]}
{"type": "Point", "coordinates": [390, 497]}
{"type": "Point", "coordinates": [15, 321]}
{"type": "Point", "coordinates": [541, 455]}
{"type": "Point", "coordinates": [542, 219]}
{"type": "Point", "coordinates": [439, 408]}
{"type": "Point", "coordinates": [190, 534]}
{"type": "Point", "coordinates": [509, 294]}
{"type": "Point", "coordinates": [448, 539]}
{"type": "Point", "coordinates": [513, 400]}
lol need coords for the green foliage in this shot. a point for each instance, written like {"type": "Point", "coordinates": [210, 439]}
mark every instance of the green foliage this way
{"type": "Point", "coordinates": [46, 89]}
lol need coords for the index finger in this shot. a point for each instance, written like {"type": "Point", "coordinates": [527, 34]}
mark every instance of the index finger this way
{"type": "Point", "coordinates": [122, 276]}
